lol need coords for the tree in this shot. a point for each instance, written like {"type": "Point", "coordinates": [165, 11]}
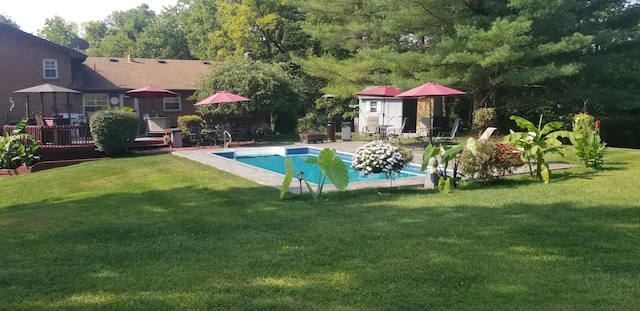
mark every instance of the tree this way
{"type": "Point", "coordinates": [5, 19]}
{"type": "Point", "coordinates": [511, 55]}
{"type": "Point", "coordinates": [272, 90]}
{"type": "Point", "coordinates": [59, 31]}
{"type": "Point", "coordinates": [164, 37]}
{"type": "Point", "coordinates": [118, 34]}
{"type": "Point", "coordinates": [199, 20]}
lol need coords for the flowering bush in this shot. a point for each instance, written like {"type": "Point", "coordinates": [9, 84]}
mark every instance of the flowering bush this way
{"type": "Point", "coordinates": [380, 157]}
{"type": "Point", "coordinates": [590, 149]}
{"type": "Point", "coordinates": [584, 124]}
{"type": "Point", "coordinates": [490, 160]}
{"type": "Point", "coordinates": [484, 117]}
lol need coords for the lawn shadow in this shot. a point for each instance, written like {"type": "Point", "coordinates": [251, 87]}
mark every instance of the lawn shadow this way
{"type": "Point", "coordinates": [201, 248]}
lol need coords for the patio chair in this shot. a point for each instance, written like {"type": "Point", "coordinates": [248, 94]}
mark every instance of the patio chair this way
{"type": "Point", "coordinates": [371, 129]}
{"type": "Point", "coordinates": [449, 137]}
{"type": "Point", "coordinates": [422, 134]}
{"type": "Point", "coordinates": [393, 135]}
{"type": "Point", "coordinates": [487, 133]}
{"type": "Point", "coordinates": [195, 136]}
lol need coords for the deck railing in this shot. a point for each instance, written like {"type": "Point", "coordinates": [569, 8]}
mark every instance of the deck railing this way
{"type": "Point", "coordinates": [71, 136]}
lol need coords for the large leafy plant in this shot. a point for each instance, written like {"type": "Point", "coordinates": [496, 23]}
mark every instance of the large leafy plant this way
{"type": "Point", "coordinates": [536, 143]}
{"type": "Point", "coordinates": [331, 167]}
{"type": "Point", "coordinates": [590, 151]}
{"type": "Point", "coordinates": [447, 155]}
{"type": "Point", "coordinates": [18, 148]}
{"type": "Point", "coordinates": [489, 160]}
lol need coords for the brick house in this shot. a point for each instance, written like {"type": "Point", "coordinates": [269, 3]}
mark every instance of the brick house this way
{"type": "Point", "coordinates": [27, 60]}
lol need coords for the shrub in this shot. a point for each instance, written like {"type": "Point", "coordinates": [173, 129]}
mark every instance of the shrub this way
{"type": "Point", "coordinates": [114, 131]}
{"type": "Point", "coordinates": [583, 124]}
{"type": "Point", "coordinates": [18, 148]}
{"type": "Point", "coordinates": [484, 117]}
{"type": "Point", "coordinates": [490, 160]}
{"type": "Point", "coordinates": [586, 141]}
{"type": "Point", "coordinates": [188, 121]}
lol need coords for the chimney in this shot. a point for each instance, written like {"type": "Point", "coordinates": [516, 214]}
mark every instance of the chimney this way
{"type": "Point", "coordinates": [130, 57]}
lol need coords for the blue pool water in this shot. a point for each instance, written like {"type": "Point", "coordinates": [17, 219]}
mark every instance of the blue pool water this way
{"type": "Point", "coordinates": [275, 163]}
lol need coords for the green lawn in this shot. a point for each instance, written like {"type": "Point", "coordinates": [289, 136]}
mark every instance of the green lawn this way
{"type": "Point", "coordinates": [164, 233]}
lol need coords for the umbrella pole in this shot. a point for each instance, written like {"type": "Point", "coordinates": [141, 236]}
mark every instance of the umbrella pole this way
{"type": "Point", "coordinates": [41, 104]}
{"type": "Point", "coordinates": [55, 106]}
{"type": "Point", "coordinates": [27, 105]}
{"type": "Point", "coordinates": [68, 106]}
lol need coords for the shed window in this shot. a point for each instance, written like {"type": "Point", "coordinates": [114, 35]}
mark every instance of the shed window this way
{"type": "Point", "coordinates": [373, 106]}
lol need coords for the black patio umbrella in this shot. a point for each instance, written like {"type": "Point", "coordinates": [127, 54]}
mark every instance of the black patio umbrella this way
{"type": "Point", "coordinates": [47, 88]}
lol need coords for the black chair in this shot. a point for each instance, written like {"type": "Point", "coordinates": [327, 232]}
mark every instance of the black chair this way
{"type": "Point", "coordinates": [195, 136]}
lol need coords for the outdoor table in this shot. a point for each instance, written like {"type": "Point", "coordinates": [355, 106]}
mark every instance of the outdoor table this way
{"type": "Point", "coordinates": [382, 131]}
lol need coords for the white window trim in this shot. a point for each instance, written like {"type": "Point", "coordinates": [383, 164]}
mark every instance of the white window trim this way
{"type": "Point", "coordinates": [84, 103]}
{"type": "Point", "coordinates": [166, 100]}
{"type": "Point", "coordinates": [372, 104]}
{"type": "Point", "coordinates": [44, 68]}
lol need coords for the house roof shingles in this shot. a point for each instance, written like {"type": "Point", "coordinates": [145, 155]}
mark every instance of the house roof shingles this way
{"type": "Point", "coordinates": [118, 74]}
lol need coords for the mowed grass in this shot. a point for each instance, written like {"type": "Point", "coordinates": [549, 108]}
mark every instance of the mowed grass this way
{"type": "Point", "coordinates": [164, 233]}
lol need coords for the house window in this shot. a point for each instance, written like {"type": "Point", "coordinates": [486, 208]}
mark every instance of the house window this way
{"type": "Point", "coordinates": [373, 106]}
{"type": "Point", "coordinates": [94, 102]}
{"type": "Point", "coordinates": [50, 68]}
{"type": "Point", "coordinates": [172, 103]}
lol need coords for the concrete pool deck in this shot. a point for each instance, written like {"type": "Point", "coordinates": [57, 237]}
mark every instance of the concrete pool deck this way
{"type": "Point", "coordinates": [271, 179]}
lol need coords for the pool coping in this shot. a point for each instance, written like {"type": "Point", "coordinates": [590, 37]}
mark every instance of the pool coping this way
{"type": "Point", "coordinates": [272, 179]}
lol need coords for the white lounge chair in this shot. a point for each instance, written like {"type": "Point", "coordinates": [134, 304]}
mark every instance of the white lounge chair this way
{"type": "Point", "coordinates": [371, 129]}
{"type": "Point", "coordinates": [448, 137]}
{"type": "Point", "coordinates": [393, 135]}
{"type": "Point", "coordinates": [487, 133]}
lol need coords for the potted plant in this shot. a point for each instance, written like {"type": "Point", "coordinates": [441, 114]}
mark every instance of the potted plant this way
{"type": "Point", "coordinates": [311, 136]}
{"type": "Point", "coordinates": [483, 118]}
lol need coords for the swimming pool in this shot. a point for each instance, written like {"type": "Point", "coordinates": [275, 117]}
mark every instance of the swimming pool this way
{"type": "Point", "coordinates": [272, 159]}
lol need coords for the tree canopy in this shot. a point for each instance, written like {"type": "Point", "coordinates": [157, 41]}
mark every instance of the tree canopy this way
{"type": "Point", "coordinates": [522, 57]}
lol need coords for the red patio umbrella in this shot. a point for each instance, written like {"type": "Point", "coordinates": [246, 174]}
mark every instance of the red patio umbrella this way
{"type": "Point", "coordinates": [221, 97]}
{"type": "Point", "coordinates": [383, 91]}
{"type": "Point", "coordinates": [150, 92]}
{"type": "Point", "coordinates": [430, 89]}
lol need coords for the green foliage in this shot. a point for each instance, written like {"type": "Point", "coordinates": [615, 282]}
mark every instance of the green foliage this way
{"type": "Point", "coordinates": [59, 31]}
{"type": "Point", "coordinates": [590, 151]}
{"type": "Point", "coordinates": [121, 31]}
{"type": "Point", "coordinates": [484, 117]}
{"type": "Point", "coordinates": [583, 124]}
{"type": "Point", "coordinates": [188, 121]}
{"type": "Point", "coordinates": [311, 121]}
{"type": "Point", "coordinates": [536, 143]}
{"type": "Point", "coordinates": [444, 156]}
{"type": "Point", "coordinates": [18, 148]}
{"type": "Point", "coordinates": [114, 131]}
{"type": "Point", "coordinates": [489, 160]}
{"type": "Point", "coordinates": [331, 167]}
{"type": "Point", "coordinates": [272, 90]}
{"type": "Point", "coordinates": [5, 19]}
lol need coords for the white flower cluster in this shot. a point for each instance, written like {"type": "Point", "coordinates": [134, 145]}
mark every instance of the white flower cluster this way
{"type": "Point", "coordinates": [378, 157]}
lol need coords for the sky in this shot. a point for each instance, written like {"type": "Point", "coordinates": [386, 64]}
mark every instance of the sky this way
{"type": "Point", "coordinates": [31, 14]}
